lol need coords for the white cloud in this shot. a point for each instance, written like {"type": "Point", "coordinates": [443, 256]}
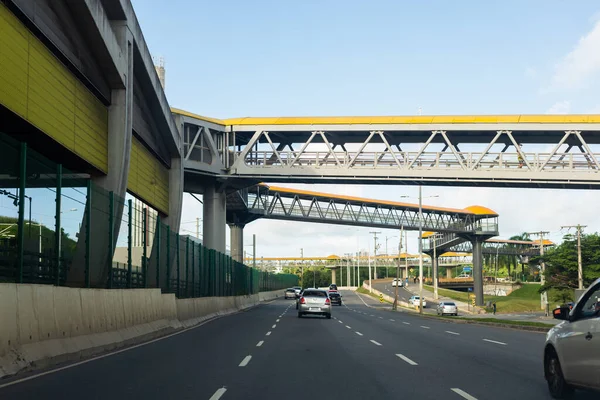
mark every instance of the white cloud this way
{"type": "Point", "coordinates": [561, 107]}
{"type": "Point", "coordinates": [531, 73]}
{"type": "Point", "coordinates": [580, 64]}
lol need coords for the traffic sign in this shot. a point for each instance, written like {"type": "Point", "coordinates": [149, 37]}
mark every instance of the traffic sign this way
{"type": "Point", "coordinates": [470, 289]}
{"type": "Point", "coordinates": [467, 269]}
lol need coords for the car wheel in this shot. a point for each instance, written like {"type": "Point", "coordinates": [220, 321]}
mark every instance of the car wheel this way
{"type": "Point", "coordinates": [328, 316]}
{"type": "Point", "coordinates": [558, 387]}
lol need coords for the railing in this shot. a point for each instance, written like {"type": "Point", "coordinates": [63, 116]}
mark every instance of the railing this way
{"type": "Point", "coordinates": [426, 160]}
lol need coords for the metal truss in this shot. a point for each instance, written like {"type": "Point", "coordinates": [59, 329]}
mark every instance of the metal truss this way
{"type": "Point", "coordinates": [499, 247]}
{"type": "Point", "coordinates": [329, 209]}
{"type": "Point", "coordinates": [205, 146]}
{"type": "Point", "coordinates": [353, 154]}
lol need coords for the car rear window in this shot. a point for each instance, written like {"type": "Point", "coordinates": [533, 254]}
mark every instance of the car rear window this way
{"type": "Point", "coordinates": [290, 290]}
{"type": "Point", "coordinates": [449, 303]}
{"type": "Point", "coordinates": [314, 293]}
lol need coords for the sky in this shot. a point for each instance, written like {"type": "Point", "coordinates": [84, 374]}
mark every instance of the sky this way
{"type": "Point", "coordinates": [280, 58]}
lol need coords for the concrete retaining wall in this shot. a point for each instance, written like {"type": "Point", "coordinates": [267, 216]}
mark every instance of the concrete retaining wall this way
{"type": "Point", "coordinates": [41, 325]}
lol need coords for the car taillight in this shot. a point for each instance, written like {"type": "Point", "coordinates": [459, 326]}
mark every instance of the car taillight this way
{"type": "Point", "coordinates": [327, 301]}
{"type": "Point", "coordinates": [302, 301]}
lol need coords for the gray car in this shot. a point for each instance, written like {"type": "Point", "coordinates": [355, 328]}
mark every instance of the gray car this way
{"type": "Point", "coordinates": [447, 307]}
{"type": "Point", "coordinates": [314, 302]}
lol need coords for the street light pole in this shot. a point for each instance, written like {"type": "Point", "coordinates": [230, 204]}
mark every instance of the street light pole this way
{"type": "Point", "coordinates": [435, 270]}
{"type": "Point", "coordinates": [420, 252]}
{"type": "Point", "coordinates": [395, 306]}
{"type": "Point", "coordinates": [374, 255]}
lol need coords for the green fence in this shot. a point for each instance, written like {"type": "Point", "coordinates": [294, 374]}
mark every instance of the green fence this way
{"type": "Point", "coordinates": [56, 227]}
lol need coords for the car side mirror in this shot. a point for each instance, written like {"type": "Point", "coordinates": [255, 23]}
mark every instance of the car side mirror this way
{"type": "Point", "coordinates": [561, 313]}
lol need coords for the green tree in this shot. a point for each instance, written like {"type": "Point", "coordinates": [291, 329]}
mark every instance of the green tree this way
{"type": "Point", "coordinates": [561, 263]}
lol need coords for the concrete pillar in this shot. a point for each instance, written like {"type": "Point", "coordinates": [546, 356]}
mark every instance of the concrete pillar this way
{"type": "Point", "coordinates": [120, 125]}
{"type": "Point", "coordinates": [333, 275]}
{"type": "Point", "coordinates": [449, 272]}
{"type": "Point", "coordinates": [477, 271]}
{"type": "Point", "coordinates": [236, 233]}
{"type": "Point", "coordinates": [214, 218]}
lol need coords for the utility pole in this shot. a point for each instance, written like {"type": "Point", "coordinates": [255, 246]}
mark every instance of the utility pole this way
{"type": "Point", "coordinates": [435, 268]}
{"type": "Point", "coordinates": [375, 254]}
{"type": "Point", "coordinates": [544, 296]}
{"type": "Point", "coordinates": [579, 263]}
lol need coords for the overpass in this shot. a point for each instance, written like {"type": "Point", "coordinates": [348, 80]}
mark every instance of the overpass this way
{"type": "Point", "coordinates": [85, 120]}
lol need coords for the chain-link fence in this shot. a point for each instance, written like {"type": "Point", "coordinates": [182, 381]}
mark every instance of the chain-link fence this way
{"type": "Point", "coordinates": [105, 241]}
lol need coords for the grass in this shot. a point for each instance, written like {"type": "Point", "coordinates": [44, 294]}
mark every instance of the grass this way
{"type": "Point", "coordinates": [365, 291]}
{"type": "Point", "coordinates": [505, 322]}
{"type": "Point", "coordinates": [525, 299]}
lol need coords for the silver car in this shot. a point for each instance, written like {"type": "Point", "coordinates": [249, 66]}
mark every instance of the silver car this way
{"type": "Point", "coordinates": [572, 351]}
{"type": "Point", "coordinates": [314, 302]}
{"type": "Point", "coordinates": [290, 293]}
{"type": "Point", "coordinates": [447, 307]}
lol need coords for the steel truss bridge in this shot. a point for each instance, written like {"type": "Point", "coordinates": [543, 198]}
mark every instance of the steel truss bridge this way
{"type": "Point", "coordinates": [299, 205]}
{"type": "Point", "coordinates": [513, 150]}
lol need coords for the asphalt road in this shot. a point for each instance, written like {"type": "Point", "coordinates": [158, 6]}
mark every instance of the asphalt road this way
{"type": "Point", "coordinates": [270, 353]}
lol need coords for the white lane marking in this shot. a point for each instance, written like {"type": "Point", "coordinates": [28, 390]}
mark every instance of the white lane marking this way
{"type": "Point", "coordinates": [348, 327]}
{"type": "Point", "coordinates": [340, 321]}
{"type": "Point", "coordinates": [407, 323]}
{"type": "Point", "coordinates": [110, 354]}
{"type": "Point", "coordinates": [493, 341]}
{"type": "Point", "coordinates": [452, 333]}
{"type": "Point", "coordinates": [408, 360]}
{"type": "Point", "coordinates": [269, 333]}
{"type": "Point", "coordinates": [260, 343]}
{"type": "Point", "coordinates": [380, 317]}
{"type": "Point", "coordinates": [245, 361]}
{"type": "Point", "coordinates": [392, 320]}
{"type": "Point", "coordinates": [463, 394]}
{"type": "Point", "coordinates": [277, 321]}
{"type": "Point", "coordinates": [425, 327]}
{"type": "Point", "coordinates": [376, 343]}
{"type": "Point", "coordinates": [371, 315]}
{"type": "Point", "coordinates": [220, 392]}
{"type": "Point", "coordinates": [358, 333]}
{"type": "Point", "coordinates": [274, 326]}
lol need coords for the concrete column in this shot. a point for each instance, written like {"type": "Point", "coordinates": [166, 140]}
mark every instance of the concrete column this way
{"type": "Point", "coordinates": [120, 125]}
{"type": "Point", "coordinates": [333, 275]}
{"type": "Point", "coordinates": [214, 218]}
{"type": "Point", "coordinates": [434, 274]}
{"type": "Point", "coordinates": [477, 271]}
{"type": "Point", "coordinates": [236, 233]}
{"type": "Point", "coordinates": [449, 272]}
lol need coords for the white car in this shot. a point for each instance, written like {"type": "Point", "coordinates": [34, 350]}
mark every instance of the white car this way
{"type": "Point", "coordinates": [447, 308]}
{"type": "Point", "coordinates": [397, 282]}
{"type": "Point", "coordinates": [414, 300]}
{"type": "Point", "coordinates": [572, 350]}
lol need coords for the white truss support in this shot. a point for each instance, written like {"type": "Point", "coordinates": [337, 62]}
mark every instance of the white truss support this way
{"type": "Point", "coordinates": [553, 152]}
{"type": "Point", "coordinates": [266, 134]}
{"type": "Point", "coordinates": [451, 146]}
{"type": "Point", "coordinates": [191, 146]}
{"type": "Point", "coordinates": [241, 159]}
{"type": "Point", "coordinates": [518, 148]}
{"type": "Point", "coordinates": [312, 135]}
{"type": "Point", "coordinates": [487, 149]}
{"type": "Point", "coordinates": [362, 147]}
{"type": "Point", "coordinates": [389, 148]}
{"type": "Point", "coordinates": [587, 148]}
{"type": "Point", "coordinates": [433, 134]}
{"type": "Point", "coordinates": [337, 161]}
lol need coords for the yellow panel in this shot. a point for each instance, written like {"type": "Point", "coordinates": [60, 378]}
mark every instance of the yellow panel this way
{"type": "Point", "coordinates": [148, 178]}
{"type": "Point", "coordinates": [35, 85]}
